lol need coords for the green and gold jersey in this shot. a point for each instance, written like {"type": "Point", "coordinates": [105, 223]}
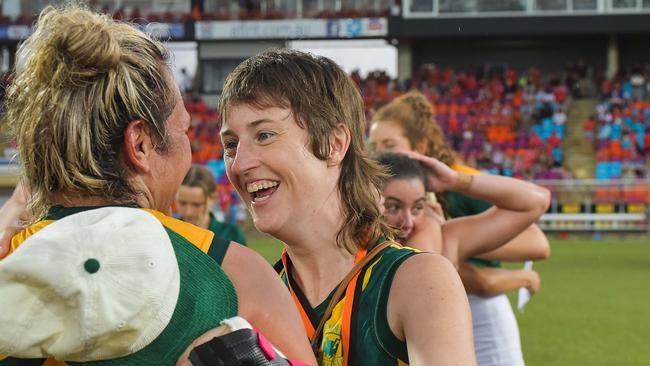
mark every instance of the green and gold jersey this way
{"type": "Point", "coordinates": [357, 332]}
{"type": "Point", "coordinates": [223, 235]}
{"type": "Point", "coordinates": [180, 233]}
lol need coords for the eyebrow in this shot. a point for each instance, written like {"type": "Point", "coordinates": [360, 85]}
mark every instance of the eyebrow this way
{"type": "Point", "coordinates": [392, 198]}
{"type": "Point", "coordinates": [254, 124]}
{"type": "Point", "coordinates": [400, 201]}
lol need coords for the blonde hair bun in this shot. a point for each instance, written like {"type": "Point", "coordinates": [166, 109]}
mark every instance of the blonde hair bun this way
{"type": "Point", "coordinates": [71, 46]}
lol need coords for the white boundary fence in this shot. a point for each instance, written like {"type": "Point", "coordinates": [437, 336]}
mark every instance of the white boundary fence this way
{"type": "Point", "coordinates": [597, 205]}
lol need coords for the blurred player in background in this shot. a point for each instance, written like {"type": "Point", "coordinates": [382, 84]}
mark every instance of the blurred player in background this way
{"type": "Point", "coordinates": [194, 202]}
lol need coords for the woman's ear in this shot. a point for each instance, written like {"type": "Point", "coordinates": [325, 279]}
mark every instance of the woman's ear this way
{"type": "Point", "coordinates": [138, 146]}
{"type": "Point", "coordinates": [339, 143]}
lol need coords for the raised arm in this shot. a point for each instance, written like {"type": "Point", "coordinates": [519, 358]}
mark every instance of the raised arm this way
{"type": "Point", "coordinates": [428, 308]}
{"type": "Point", "coordinates": [266, 303]}
{"type": "Point", "coordinates": [517, 205]}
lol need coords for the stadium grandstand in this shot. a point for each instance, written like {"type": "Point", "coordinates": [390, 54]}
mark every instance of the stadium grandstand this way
{"type": "Point", "coordinates": [513, 93]}
{"type": "Point", "coordinates": [551, 91]}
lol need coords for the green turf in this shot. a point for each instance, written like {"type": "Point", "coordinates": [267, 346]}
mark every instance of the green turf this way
{"type": "Point", "coordinates": [270, 248]}
{"type": "Point", "coordinates": [593, 307]}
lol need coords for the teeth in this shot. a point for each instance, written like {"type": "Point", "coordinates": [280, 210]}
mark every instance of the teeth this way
{"type": "Point", "coordinates": [254, 187]}
{"type": "Point", "coordinates": [260, 199]}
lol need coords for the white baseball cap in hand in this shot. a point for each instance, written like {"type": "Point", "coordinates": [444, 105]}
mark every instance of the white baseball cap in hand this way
{"type": "Point", "coordinates": [96, 285]}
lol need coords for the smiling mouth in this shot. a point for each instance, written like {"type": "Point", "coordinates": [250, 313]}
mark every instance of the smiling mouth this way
{"type": "Point", "coordinates": [261, 191]}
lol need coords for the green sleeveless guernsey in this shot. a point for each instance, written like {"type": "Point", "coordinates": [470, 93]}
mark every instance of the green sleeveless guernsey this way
{"type": "Point", "coordinates": [371, 340]}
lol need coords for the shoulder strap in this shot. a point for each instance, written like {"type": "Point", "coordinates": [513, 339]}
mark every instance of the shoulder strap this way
{"type": "Point", "coordinates": [342, 287]}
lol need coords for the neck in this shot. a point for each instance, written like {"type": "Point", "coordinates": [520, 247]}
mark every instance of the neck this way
{"type": "Point", "coordinates": [319, 270]}
{"type": "Point", "coordinates": [319, 264]}
{"type": "Point", "coordinates": [204, 222]}
{"type": "Point", "coordinates": [66, 201]}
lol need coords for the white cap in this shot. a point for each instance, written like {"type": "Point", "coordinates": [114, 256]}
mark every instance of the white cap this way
{"type": "Point", "coordinates": [98, 284]}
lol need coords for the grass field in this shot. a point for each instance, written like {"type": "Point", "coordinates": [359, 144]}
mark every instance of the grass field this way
{"type": "Point", "coordinates": [593, 307]}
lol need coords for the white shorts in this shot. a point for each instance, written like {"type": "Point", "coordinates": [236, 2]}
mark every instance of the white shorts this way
{"type": "Point", "coordinates": [496, 333]}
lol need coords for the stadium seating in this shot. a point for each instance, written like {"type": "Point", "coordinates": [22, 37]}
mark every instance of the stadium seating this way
{"type": "Point", "coordinates": [622, 130]}
{"type": "Point", "coordinates": [498, 121]}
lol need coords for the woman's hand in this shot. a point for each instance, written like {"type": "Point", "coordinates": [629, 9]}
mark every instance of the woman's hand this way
{"type": "Point", "coordinates": [439, 176]}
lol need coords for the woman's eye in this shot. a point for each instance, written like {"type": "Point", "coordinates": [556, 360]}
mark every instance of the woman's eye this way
{"type": "Point", "coordinates": [392, 209]}
{"type": "Point", "coordinates": [229, 147]}
{"type": "Point", "coordinates": [417, 210]}
{"type": "Point", "coordinates": [264, 135]}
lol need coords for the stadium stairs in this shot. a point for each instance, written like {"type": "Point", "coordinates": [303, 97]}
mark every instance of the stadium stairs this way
{"type": "Point", "coordinates": [579, 152]}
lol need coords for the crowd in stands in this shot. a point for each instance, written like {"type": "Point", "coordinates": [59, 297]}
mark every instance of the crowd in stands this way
{"type": "Point", "coordinates": [621, 126]}
{"type": "Point", "coordinates": [230, 10]}
{"type": "Point", "coordinates": [134, 14]}
{"type": "Point", "coordinates": [497, 119]}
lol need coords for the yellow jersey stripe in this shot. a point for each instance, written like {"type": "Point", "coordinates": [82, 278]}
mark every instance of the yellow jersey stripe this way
{"type": "Point", "coordinates": [26, 233]}
{"type": "Point", "coordinates": [201, 238]}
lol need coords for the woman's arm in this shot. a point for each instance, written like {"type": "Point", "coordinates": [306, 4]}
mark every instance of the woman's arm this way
{"type": "Point", "coordinates": [266, 303]}
{"type": "Point", "coordinates": [428, 308]}
{"type": "Point", "coordinates": [10, 212]}
{"type": "Point", "coordinates": [530, 244]}
{"type": "Point", "coordinates": [495, 281]}
{"type": "Point", "coordinates": [517, 205]}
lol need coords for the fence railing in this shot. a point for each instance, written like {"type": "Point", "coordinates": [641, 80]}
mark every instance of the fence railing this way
{"type": "Point", "coordinates": [597, 205]}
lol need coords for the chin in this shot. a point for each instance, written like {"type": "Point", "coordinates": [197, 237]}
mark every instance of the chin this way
{"type": "Point", "coordinates": [266, 225]}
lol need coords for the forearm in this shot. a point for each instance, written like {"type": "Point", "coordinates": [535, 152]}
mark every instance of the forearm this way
{"type": "Point", "coordinates": [493, 281]}
{"type": "Point", "coordinates": [531, 244]}
{"type": "Point", "coordinates": [508, 193]}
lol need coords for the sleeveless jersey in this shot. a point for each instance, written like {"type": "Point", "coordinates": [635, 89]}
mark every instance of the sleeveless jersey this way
{"type": "Point", "coordinates": [370, 342]}
{"type": "Point", "coordinates": [223, 235]}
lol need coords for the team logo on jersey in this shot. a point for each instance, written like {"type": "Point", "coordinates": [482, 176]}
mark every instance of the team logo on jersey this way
{"type": "Point", "coordinates": [331, 351]}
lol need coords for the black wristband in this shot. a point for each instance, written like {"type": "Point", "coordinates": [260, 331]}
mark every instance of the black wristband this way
{"type": "Point", "coordinates": [238, 348]}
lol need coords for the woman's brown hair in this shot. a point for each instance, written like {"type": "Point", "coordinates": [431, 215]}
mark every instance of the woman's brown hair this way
{"type": "Point", "coordinates": [415, 114]}
{"type": "Point", "coordinates": [321, 96]}
{"type": "Point", "coordinates": [201, 177]}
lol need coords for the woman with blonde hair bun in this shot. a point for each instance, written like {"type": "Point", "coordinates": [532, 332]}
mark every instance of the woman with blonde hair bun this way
{"type": "Point", "coordinates": [102, 135]}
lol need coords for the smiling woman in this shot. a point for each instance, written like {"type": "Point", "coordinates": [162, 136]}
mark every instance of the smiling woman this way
{"type": "Point", "coordinates": [292, 127]}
